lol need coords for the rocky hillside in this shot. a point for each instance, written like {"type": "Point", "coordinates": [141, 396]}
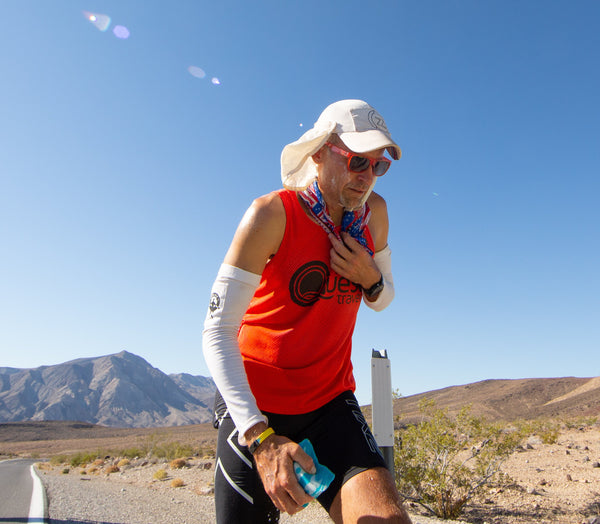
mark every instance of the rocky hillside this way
{"type": "Point", "coordinates": [124, 390]}
{"type": "Point", "coordinates": [567, 397]}
{"type": "Point", "coordinates": [121, 390]}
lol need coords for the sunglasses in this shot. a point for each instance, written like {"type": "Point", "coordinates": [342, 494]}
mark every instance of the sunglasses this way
{"type": "Point", "coordinates": [358, 164]}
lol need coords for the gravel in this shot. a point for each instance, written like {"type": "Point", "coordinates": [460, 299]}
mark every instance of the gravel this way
{"type": "Point", "coordinates": [72, 500]}
{"type": "Point", "coordinates": [133, 497]}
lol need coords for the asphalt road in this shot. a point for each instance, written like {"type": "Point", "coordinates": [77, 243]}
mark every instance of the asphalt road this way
{"type": "Point", "coordinates": [16, 487]}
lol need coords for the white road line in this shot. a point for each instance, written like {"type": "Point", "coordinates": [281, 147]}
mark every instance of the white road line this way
{"type": "Point", "coordinates": [38, 496]}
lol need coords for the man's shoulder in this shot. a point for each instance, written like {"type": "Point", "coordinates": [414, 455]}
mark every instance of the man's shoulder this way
{"type": "Point", "coordinates": [270, 201]}
{"type": "Point", "coordinates": [268, 207]}
{"type": "Point", "coordinates": [259, 234]}
{"type": "Point", "coordinates": [377, 203]}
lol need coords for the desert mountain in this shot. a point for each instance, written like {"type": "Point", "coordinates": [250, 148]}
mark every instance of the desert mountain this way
{"type": "Point", "coordinates": [121, 390]}
{"type": "Point", "coordinates": [567, 397]}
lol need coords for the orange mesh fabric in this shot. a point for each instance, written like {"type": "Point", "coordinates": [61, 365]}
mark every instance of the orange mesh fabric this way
{"type": "Point", "coordinates": [296, 336]}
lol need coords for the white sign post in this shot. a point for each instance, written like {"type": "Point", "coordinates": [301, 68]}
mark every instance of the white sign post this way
{"type": "Point", "coordinates": [383, 408]}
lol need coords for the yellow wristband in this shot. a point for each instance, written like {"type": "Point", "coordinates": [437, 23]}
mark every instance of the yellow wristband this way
{"type": "Point", "coordinates": [261, 438]}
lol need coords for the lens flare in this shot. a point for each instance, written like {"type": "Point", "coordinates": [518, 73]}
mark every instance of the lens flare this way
{"type": "Point", "coordinates": [197, 72]}
{"type": "Point", "coordinates": [120, 31]}
{"type": "Point", "coordinates": [101, 22]}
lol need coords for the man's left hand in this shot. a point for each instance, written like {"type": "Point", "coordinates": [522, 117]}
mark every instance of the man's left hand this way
{"type": "Point", "coordinates": [352, 261]}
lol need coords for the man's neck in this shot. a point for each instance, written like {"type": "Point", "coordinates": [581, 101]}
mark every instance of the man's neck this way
{"type": "Point", "coordinates": [336, 212]}
{"type": "Point", "coordinates": [336, 215]}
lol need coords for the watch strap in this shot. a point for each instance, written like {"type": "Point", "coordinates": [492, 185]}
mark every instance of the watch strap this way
{"type": "Point", "coordinates": [260, 439]}
{"type": "Point", "coordinates": [374, 289]}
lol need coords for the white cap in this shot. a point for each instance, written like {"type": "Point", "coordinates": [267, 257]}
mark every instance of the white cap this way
{"type": "Point", "coordinates": [357, 124]}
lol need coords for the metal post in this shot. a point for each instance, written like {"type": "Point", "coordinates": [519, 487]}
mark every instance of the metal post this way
{"type": "Point", "coordinates": [383, 409]}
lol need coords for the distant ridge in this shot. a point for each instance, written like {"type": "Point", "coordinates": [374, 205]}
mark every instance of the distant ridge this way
{"type": "Point", "coordinates": [124, 390]}
{"type": "Point", "coordinates": [511, 399]}
{"type": "Point", "coordinates": [120, 390]}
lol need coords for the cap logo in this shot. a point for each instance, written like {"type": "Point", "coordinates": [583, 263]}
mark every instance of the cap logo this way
{"type": "Point", "coordinates": [377, 121]}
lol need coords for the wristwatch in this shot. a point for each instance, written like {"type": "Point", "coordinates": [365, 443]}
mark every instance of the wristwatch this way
{"type": "Point", "coordinates": [374, 289]}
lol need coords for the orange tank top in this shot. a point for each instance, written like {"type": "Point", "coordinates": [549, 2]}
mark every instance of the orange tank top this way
{"type": "Point", "coordinates": [296, 336]}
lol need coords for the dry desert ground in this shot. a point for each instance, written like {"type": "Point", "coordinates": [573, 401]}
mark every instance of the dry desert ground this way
{"type": "Point", "coordinates": [558, 482]}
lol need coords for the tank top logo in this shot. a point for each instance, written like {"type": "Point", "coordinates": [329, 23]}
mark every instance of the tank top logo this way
{"type": "Point", "coordinates": [310, 282]}
{"type": "Point", "coordinates": [307, 282]}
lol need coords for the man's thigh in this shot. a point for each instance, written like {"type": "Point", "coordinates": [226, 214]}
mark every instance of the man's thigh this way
{"type": "Point", "coordinates": [341, 439]}
{"type": "Point", "coordinates": [370, 496]}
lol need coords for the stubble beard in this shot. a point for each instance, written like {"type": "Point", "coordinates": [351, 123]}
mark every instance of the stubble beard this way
{"type": "Point", "coordinates": [355, 203]}
{"type": "Point", "coordinates": [350, 206]}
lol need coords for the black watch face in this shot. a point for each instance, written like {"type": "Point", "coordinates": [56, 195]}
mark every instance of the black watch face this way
{"type": "Point", "coordinates": [375, 289]}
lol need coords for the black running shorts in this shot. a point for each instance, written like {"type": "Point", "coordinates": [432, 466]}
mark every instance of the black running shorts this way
{"type": "Point", "coordinates": [341, 439]}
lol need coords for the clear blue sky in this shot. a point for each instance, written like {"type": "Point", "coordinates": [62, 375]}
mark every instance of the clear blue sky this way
{"type": "Point", "coordinates": [123, 176]}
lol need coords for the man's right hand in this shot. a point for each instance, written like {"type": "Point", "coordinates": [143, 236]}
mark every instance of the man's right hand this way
{"type": "Point", "coordinates": [275, 459]}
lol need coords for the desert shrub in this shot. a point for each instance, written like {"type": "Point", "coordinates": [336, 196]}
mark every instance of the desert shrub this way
{"type": "Point", "coordinates": [550, 436]}
{"type": "Point", "coordinates": [112, 469]}
{"type": "Point", "coordinates": [159, 445]}
{"type": "Point", "coordinates": [172, 450]}
{"type": "Point", "coordinates": [43, 466]}
{"type": "Point", "coordinates": [57, 460]}
{"type": "Point", "coordinates": [178, 463]}
{"type": "Point", "coordinates": [443, 461]}
{"type": "Point", "coordinates": [123, 462]}
{"type": "Point", "coordinates": [132, 453]}
{"type": "Point", "coordinates": [65, 471]}
{"type": "Point", "coordinates": [546, 429]}
{"type": "Point", "coordinates": [207, 452]}
{"type": "Point", "coordinates": [580, 422]}
{"type": "Point", "coordinates": [160, 474]}
{"type": "Point", "coordinates": [177, 483]}
{"type": "Point", "coordinates": [79, 459]}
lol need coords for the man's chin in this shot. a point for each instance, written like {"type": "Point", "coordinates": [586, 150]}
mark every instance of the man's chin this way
{"type": "Point", "coordinates": [354, 203]}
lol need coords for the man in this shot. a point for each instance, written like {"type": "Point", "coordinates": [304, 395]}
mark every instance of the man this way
{"type": "Point", "coordinates": [278, 332]}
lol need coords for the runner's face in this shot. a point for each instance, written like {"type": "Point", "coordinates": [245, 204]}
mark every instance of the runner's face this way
{"type": "Point", "coordinates": [342, 188]}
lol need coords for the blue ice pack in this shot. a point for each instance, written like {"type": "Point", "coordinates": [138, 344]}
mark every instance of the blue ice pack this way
{"type": "Point", "coordinates": [315, 484]}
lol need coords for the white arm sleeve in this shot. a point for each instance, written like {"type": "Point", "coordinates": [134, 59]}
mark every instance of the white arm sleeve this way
{"type": "Point", "coordinates": [383, 259]}
{"type": "Point", "coordinates": [230, 297]}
